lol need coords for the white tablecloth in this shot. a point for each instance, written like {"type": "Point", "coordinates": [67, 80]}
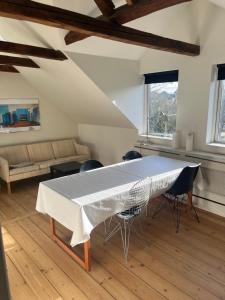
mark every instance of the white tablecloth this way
{"type": "Point", "coordinates": [81, 201]}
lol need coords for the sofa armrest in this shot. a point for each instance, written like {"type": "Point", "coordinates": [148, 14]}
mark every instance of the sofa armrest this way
{"type": "Point", "coordinates": [4, 169]}
{"type": "Point", "coordinates": [81, 150]}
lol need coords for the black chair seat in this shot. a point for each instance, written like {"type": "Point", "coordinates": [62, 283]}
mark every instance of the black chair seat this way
{"type": "Point", "coordinates": [90, 165]}
{"type": "Point", "coordinates": [130, 213]}
{"type": "Point", "coordinates": [130, 155]}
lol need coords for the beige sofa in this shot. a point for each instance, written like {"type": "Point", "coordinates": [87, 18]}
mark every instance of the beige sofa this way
{"type": "Point", "coordinates": [29, 160]}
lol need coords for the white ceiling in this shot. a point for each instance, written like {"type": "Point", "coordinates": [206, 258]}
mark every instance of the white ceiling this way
{"type": "Point", "coordinates": [219, 2]}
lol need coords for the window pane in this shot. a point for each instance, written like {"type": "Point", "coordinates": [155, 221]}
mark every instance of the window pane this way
{"type": "Point", "coordinates": [162, 108]}
{"type": "Point", "coordinates": [220, 137]}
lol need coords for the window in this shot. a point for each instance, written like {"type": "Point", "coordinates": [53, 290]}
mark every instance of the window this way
{"type": "Point", "coordinates": [161, 103]}
{"type": "Point", "coordinates": [218, 132]}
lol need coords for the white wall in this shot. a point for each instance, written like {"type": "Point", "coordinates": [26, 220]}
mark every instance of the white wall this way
{"type": "Point", "coordinates": [119, 79]}
{"type": "Point", "coordinates": [207, 23]}
{"type": "Point", "coordinates": [107, 144]}
{"type": "Point", "coordinates": [194, 73]}
{"type": "Point", "coordinates": [54, 123]}
{"type": "Point", "coordinates": [195, 77]}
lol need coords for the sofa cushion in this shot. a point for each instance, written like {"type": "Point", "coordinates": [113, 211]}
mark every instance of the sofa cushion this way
{"type": "Point", "coordinates": [15, 171]}
{"type": "Point", "coordinates": [63, 148]}
{"type": "Point", "coordinates": [40, 151]}
{"type": "Point", "coordinates": [21, 164]}
{"type": "Point", "coordinates": [15, 154]}
{"type": "Point", "coordinates": [79, 158]}
{"type": "Point", "coordinates": [45, 164]}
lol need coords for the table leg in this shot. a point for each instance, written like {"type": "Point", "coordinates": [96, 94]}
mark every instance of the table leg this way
{"type": "Point", "coordinates": [86, 261]}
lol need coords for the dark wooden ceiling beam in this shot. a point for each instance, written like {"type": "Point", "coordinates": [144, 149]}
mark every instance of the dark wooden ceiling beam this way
{"type": "Point", "coordinates": [17, 61]}
{"type": "Point", "coordinates": [8, 69]}
{"type": "Point", "coordinates": [127, 13]}
{"type": "Point", "coordinates": [28, 50]}
{"type": "Point", "coordinates": [61, 18]}
{"type": "Point", "coordinates": [106, 7]}
{"type": "Point", "coordinates": [73, 37]}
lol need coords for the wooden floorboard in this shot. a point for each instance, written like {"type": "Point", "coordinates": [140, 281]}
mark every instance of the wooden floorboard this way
{"type": "Point", "coordinates": [161, 265]}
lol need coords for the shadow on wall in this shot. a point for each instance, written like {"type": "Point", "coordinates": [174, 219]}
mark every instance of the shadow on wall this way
{"type": "Point", "coordinates": [105, 158]}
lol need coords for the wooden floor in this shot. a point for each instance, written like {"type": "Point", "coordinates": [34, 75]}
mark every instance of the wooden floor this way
{"type": "Point", "coordinates": [162, 264]}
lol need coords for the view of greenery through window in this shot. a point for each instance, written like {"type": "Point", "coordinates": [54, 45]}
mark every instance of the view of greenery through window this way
{"type": "Point", "coordinates": [162, 102]}
{"type": "Point", "coordinates": [220, 130]}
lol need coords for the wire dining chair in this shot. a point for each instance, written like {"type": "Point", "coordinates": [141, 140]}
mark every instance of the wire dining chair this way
{"type": "Point", "coordinates": [135, 202]}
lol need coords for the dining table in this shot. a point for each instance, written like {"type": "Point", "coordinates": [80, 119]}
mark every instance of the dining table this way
{"type": "Point", "coordinates": [82, 201]}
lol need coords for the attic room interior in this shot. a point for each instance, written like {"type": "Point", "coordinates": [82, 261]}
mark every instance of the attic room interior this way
{"type": "Point", "coordinates": [112, 149]}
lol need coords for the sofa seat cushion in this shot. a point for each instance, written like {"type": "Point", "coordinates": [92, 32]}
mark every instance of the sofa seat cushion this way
{"type": "Point", "coordinates": [79, 158]}
{"type": "Point", "coordinates": [63, 148]}
{"type": "Point", "coordinates": [21, 170]}
{"type": "Point", "coordinates": [21, 165]}
{"type": "Point", "coordinates": [40, 151]}
{"type": "Point", "coordinates": [45, 164]}
{"type": "Point", "coordinates": [15, 154]}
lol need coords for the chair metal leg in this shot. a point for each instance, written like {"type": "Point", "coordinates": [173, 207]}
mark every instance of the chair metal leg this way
{"type": "Point", "coordinates": [196, 215]}
{"type": "Point", "coordinates": [159, 207]}
{"type": "Point", "coordinates": [139, 232]}
{"type": "Point", "coordinates": [110, 221]}
{"type": "Point", "coordinates": [171, 205]}
{"type": "Point", "coordinates": [107, 227]}
{"type": "Point", "coordinates": [125, 235]}
{"type": "Point", "coordinates": [113, 232]}
{"type": "Point", "coordinates": [178, 214]}
{"type": "Point", "coordinates": [191, 206]}
{"type": "Point", "coordinates": [124, 226]}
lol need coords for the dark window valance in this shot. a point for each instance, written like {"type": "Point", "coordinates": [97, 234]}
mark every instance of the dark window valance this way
{"type": "Point", "coordinates": [168, 76]}
{"type": "Point", "coordinates": [221, 72]}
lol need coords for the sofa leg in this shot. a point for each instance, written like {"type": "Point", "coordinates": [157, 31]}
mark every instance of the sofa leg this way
{"type": "Point", "coordinates": [9, 188]}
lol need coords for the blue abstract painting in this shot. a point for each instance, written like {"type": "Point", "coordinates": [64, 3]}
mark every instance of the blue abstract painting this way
{"type": "Point", "coordinates": [19, 115]}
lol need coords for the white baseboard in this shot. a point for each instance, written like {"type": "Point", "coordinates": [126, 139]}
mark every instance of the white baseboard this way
{"type": "Point", "coordinates": [217, 207]}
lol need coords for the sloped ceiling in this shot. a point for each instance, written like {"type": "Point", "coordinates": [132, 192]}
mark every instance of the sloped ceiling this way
{"type": "Point", "coordinates": [119, 79]}
{"type": "Point", "coordinates": [69, 88]}
{"type": "Point", "coordinates": [219, 2]}
{"type": "Point", "coordinates": [65, 84]}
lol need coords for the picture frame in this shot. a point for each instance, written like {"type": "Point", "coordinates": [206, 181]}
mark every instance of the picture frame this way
{"type": "Point", "coordinates": [18, 115]}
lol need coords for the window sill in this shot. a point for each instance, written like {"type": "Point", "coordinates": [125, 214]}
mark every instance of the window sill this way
{"type": "Point", "coordinates": [183, 154]}
{"type": "Point", "coordinates": [156, 137]}
{"type": "Point", "coordinates": [216, 145]}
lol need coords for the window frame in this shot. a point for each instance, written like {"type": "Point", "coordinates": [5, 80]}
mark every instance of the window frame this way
{"type": "Point", "coordinates": [217, 112]}
{"type": "Point", "coordinates": [214, 112]}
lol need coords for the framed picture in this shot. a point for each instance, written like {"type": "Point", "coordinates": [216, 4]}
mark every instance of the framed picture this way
{"type": "Point", "coordinates": [19, 115]}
